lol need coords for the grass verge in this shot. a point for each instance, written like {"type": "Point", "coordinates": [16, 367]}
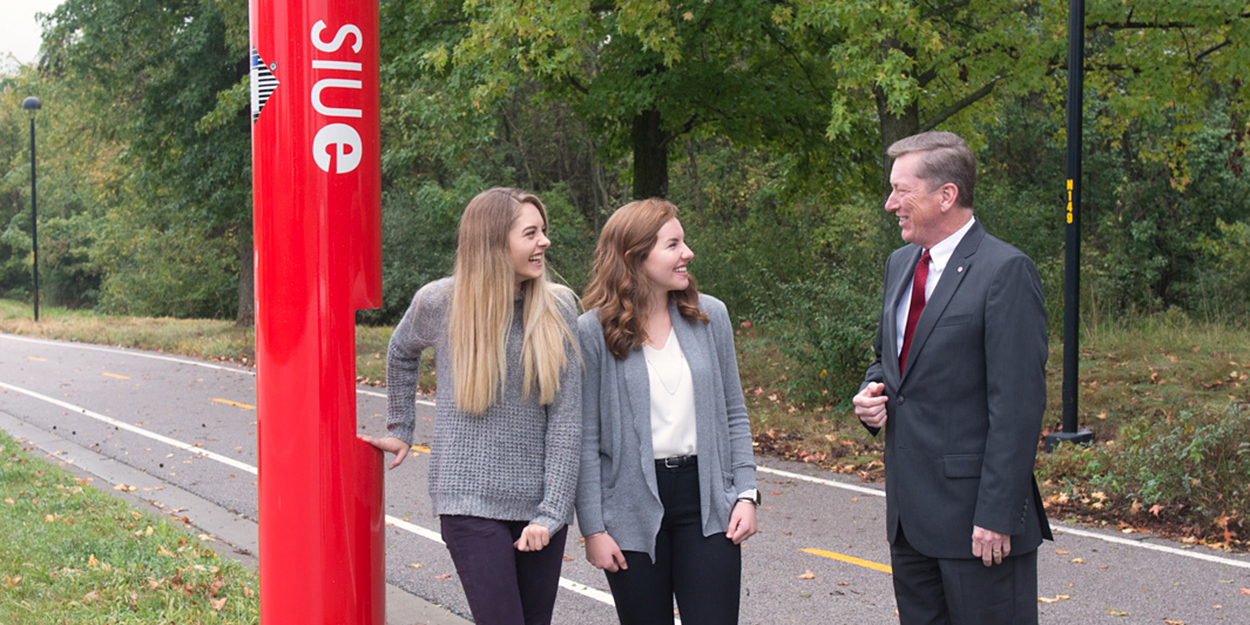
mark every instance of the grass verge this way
{"type": "Point", "coordinates": [72, 554]}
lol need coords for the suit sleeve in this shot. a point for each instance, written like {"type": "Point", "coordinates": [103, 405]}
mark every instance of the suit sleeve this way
{"type": "Point", "coordinates": [1015, 363]}
{"type": "Point", "coordinates": [589, 482]}
{"type": "Point", "coordinates": [875, 372]}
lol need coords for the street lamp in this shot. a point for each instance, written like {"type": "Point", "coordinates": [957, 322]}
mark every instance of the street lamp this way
{"type": "Point", "coordinates": [32, 105]}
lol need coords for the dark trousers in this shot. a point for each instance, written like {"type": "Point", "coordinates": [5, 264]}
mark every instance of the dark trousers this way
{"type": "Point", "coordinates": [704, 572]}
{"type": "Point", "coordinates": [504, 586]}
{"type": "Point", "coordinates": [932, 591]}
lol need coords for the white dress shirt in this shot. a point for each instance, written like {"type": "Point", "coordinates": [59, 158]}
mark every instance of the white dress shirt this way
{"type": "Point", "coordinates": [672, 400]}
{"type": "Point", "coordinates": [939, 255]}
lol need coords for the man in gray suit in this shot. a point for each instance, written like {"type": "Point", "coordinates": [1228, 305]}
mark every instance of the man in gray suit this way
{"type": "Point", "coordinates": [959, 386]}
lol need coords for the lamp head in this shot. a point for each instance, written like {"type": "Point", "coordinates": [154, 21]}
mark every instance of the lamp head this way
{"type": "Point", "coordinates": [31, 105]}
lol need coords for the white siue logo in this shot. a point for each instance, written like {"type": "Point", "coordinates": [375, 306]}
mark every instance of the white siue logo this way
{"type": "Point", "coordinates": [336, 145]}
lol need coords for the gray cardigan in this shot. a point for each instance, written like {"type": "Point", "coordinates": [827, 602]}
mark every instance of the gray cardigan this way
{"type": "Point", "coordinates": [516, 462]}
{"type": "Point", "coordinates": [616, 491]}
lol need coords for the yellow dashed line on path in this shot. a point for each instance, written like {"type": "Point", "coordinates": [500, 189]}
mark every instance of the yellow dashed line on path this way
{"type": "Point", "coordinates": [421, 449]}
{"type": "Point", "coordinates": [36, 358]}
{"type": "Point", "coordinates": [114, 375]}
{"type": "Point", "coordinates": [850, 559]}
{"type": "Point", "coordinates": [233, 403]}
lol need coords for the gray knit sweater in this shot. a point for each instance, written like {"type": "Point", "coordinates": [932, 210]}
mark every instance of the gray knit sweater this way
{"type": "Point", "coordinates": [516, 462]}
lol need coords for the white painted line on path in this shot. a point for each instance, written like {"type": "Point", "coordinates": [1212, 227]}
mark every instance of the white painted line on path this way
{"type": "Point", "coordinates": [1054, 528]}
{"type": "Point", "coordinates": [131, 428]}
{"type": "Point", "coordinates": [182, 361]}
{"type": "Point", "coordinates": [816, 480]}
{"type": "Point", "coordinates": [1064, 529]}
{"type": "Point", "coordinates": [576, 587]}
{"type": "Point", "coordinates": [111, 350]}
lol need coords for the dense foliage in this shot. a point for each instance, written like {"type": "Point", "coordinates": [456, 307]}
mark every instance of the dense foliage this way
{"type": "Point", "coordinates": [764, 123]}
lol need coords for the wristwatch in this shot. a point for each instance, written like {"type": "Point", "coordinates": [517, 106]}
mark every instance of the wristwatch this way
{"type": "Point", "coordinates": [752, 496]}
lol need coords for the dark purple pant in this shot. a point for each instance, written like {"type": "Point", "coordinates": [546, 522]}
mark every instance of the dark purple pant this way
{"type": "Point", "coordinates": [504, 586]}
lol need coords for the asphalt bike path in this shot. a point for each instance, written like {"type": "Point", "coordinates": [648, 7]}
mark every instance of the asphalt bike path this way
{"type": "Point", "coordinates": [179, 436]}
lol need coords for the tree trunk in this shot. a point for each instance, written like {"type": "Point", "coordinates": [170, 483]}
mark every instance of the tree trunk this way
{"type": "Point", "coordinates": [893, 127]}
{"type": "Point", "coordinates": [247, 274]}
{"type": "Point", "coordinates": [650, 156]}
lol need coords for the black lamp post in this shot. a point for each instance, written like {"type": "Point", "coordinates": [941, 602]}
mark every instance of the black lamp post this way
{"type": "Point", "coordinates": [32, 105]}
{"type": "Point", "coordinates": [1072, 266]}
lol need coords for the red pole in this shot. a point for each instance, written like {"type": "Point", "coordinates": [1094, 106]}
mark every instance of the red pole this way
{"type": "Point", "coordinates": [317, 197]}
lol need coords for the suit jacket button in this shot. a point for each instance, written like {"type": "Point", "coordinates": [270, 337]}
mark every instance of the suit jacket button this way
{"type": "Point", "coordinates": [902, 400]}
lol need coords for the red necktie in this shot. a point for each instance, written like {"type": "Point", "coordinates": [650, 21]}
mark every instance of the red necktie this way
{"type": "Point", "coordinates": [915, 308]}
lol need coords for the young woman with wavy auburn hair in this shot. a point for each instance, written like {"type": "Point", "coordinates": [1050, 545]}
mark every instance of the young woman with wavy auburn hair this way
{"type": "Point", "coordinates": [507, 427]}
{"type": "Point", "coordinates": [667, 488]}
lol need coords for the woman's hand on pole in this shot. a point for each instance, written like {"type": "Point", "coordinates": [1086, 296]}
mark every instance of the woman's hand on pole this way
{"type": "Point", "coordinates": [389, 444]}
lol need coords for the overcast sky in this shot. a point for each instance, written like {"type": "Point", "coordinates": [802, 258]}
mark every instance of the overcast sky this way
{"type": "Point", "coordinates": [19, 32]}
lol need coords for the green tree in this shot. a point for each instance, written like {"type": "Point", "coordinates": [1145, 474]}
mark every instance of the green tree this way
{"type": "Point", "coordinates": [79, 174]}
{"type": "Point", "coordinates": [177, 69]}
{"type": "Point", "coordinates": [641, 73]}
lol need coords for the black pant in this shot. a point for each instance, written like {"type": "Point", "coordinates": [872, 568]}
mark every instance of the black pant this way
{"type": "Point", "coordinates": [504, 586]}
{"type": "Point", "coordinates": [704, 572]}
{"type": "Point", "coordinates": [932, 591]}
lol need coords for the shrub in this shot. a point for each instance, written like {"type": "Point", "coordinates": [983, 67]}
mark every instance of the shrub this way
{"type": "Point", "coordinates": [1198, 460]}
{"type": "Point", "coordinates": [825, 324]}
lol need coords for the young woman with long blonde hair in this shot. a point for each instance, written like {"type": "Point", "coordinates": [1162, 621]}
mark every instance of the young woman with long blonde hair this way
{"type": "Point", "coordinates": [667, 489]}
{"type": "Point", "coordinates": [504, 455]}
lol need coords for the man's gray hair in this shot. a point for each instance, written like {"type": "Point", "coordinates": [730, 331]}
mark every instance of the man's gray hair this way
{"type": "Point", "coordinates": [946, 159]}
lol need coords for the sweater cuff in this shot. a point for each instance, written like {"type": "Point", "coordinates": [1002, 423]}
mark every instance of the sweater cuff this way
{"type": "Point", "coordinates": [744, 478]}
{"type": "Point", "coordinates": [402, 432]}
{"type": "Point", "coordinates": [553, 525]}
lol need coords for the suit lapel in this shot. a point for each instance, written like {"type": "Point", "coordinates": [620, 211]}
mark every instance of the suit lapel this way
{"type": "Point", "coordinates": [952, 276]}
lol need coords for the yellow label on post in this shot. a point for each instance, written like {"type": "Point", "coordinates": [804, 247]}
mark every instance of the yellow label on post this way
{"type": "Point", "coordinates": [1069, 200]}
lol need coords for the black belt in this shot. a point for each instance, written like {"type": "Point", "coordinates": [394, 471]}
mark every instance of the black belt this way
{"type": "Point", "coordinates": [676, 462]}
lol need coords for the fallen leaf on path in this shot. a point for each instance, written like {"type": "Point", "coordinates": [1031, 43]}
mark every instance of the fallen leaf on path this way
{"type": "Point", "coordinates": [444, 576]}
{"type": "Point", "coordinates": [808, 575]}
{"type": "Point", "coordinates": [1057, 598]}
{"type": "Point", "coordinates": [1078, 561]}
{"type": "Point", "coordinates": [416, 566]}
{"type": "Point", "coordinates": [1245, 591]}
{"type": "Point", "coordinates": [218, 604]}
